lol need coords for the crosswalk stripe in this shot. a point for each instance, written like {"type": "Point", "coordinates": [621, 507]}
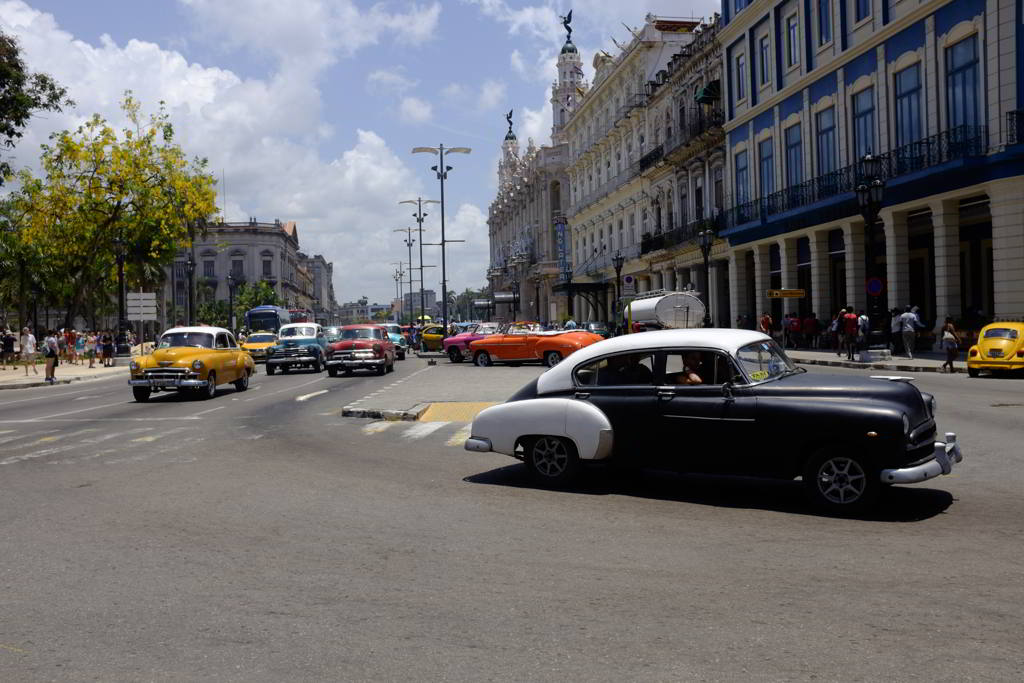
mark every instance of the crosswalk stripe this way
{"type": "Point", "coordinates": [459, 437]}
{"type": "Point", "coordinates": [377, 427]}
{"type": "Point", "coordinates": [422, 429]}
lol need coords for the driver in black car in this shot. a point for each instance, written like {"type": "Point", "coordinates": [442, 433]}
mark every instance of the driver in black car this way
{"type": "Point", "coordinates": [625, 370]}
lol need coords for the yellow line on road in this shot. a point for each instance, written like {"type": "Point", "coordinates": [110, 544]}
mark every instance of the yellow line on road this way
{"type": "Point", "coordinates": [454, 411]}
{"type": "Point", "coordinates": [13, 649]}
{"type": "Point", "coordinates": [459, 437]}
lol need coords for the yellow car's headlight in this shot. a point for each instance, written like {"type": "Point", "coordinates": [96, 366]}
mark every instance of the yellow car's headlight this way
{"type": "Point", "coordinates": [197, 364]}
{"type": "Point", "coordinates": [134, 366]}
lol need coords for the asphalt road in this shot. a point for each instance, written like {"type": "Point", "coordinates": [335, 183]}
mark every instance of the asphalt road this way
{"type": "Point", "coordinates": [260, 537]}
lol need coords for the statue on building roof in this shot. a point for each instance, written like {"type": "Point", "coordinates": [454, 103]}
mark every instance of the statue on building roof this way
{"type": "Point", "coordinates": [566, 20]}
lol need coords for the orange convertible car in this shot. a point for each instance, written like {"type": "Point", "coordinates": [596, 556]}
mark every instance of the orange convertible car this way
{"type": "Point", "coordinates": [523, 342]}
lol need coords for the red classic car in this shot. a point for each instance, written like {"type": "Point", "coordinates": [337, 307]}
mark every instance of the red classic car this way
{"type": "Point", "coordinates": [360, 347]}
{"type": "Point", "coordinates": [525, 342]}
{"type": "Point", "coordinates": [457, 347]}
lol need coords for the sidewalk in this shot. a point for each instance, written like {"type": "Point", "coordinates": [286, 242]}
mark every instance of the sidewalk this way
{"type": "Point", "coordinates": [925, 361]}
{"type": "Point", "coordinates": [65, 374]}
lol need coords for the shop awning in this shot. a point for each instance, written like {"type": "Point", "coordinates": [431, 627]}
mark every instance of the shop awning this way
{"type": "Point", "coordinates": [710, 93]}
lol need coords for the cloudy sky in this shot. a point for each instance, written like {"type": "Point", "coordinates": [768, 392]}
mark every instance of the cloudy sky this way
{"type": "Point", "coordinates": [310, 108]}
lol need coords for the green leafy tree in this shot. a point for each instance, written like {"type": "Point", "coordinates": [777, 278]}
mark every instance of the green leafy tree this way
{"type": "Point", "coordinates": [104, 194]}
{"type": "Point", "coordinates": [22, 93]}
{"type": "Point", "coordinates": [249, 295]}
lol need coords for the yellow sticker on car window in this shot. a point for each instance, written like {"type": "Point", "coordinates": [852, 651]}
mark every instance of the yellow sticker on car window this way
{"type": "Point", "coordinates": [759, 375]}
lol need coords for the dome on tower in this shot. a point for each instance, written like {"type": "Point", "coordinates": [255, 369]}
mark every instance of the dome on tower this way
{"type": "Point", "coordinates": [510, 135]}
{"type": "Point", "coordinates": [569, 48]}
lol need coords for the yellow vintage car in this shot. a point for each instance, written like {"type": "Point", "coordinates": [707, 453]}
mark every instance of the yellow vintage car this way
{"type": "Point", "coordinates": [432, 336]}
{"type": "Point", "coordinates": [257, 344]}
{"type": "Point", "coordinates": [194, 359]}
{"type": "Point", "coordinates": [1000, 347]}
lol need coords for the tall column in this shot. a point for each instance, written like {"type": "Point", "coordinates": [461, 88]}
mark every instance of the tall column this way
{"type": "Point", "coordinates": [1006, 204]}
{"type": "Point", "coordinates": [668, 278]}
{"type": "Point", "coordinates": [787, 258]}
{"type": "Point", "coordinates": [897, 261]}
{"type": "Point", "coordinates": [853, 236]}
{"type": "Point", "coordinates": [762, 278]}
{"type": "Point", "coordinates": [946, 236]}
{"type": "Point", "coordinates": [820, 283]}
{"type": "Point", "coordinates": [715, 293]}
{"type": "Point", "coordinates": [682, 277]}
{"type": "Point", "coordinates": [655, 279]}
{"type": "Point", "coordinates": [697, 274]}
{"type": "Point", "coordinates": [738, 287]}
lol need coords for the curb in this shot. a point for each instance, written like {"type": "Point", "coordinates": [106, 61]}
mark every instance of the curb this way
{"type": "Point", "coordinates": [386, 414]}
{"type": "Point", "coordinates": [873, 366]}
{"type": "Point", "coordinates": [33, 385]}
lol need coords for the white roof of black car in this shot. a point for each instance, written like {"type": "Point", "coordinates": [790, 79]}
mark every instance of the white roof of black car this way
{"type": "Point", "coordinates": [559, 378]}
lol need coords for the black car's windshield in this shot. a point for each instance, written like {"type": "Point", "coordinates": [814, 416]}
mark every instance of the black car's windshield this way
{"type": "Point", "coordinates": [260, 338]}
{"type": "Point", "coordinates": [764, 360]}
{"type": "Point", "coordinates": [298, 332]}
{"type": "Point", "coordinates": [361, 333]}
{"type": "Point", "coordinates": [201, 339]}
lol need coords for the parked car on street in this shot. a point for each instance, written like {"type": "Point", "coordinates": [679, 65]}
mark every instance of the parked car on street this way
{"type": "Point", "coordinates": [361, 347]}
{"type": "Point", "coordinates": [431, 336]}
{"type": "Point", "coordinates": [1000, 348]}
{"type": "Point", "coordinates": [457, 347]}
{"type": "Point", "coordinates": [258, 343]}
{"type": "Point", "coordinates": [299, 345]}
{"type": "Point", "coordinates": [195, 359]}
{"type": "Point", "coordinates": [721, 402]}
{"type": "Point", "coordinates": [401, 345]}
{"type": "Point", "coordinates": [524, 342]}
{"type": "Point", "coordinates": [598, 327]}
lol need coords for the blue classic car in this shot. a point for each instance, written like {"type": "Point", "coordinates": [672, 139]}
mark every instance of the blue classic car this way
{"type": "Point", "coordinates": [298, 345]}
{"type": "Point", "coordinates": [401, 345]}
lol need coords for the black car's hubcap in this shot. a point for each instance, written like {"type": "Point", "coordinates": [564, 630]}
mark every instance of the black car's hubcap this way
{"type": "Point", "coordinates": [841, 480]}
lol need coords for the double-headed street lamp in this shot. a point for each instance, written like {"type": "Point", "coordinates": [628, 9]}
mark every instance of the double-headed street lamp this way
{"type": "Point", "coordinates": [419, 216]}
{"type": "Point", "coordinates": [706, 239]}
{"type": "Point", "coordinates": [617, 262]}
{"type": "Point", "coordinates": [398, 290]}
{"type": "Point", "coordinates": [122, 348]}
{"type": "Point", "coordinates": [870, 192]}
{"type": "Point", "coordinates": [442, 174]}
{"type": "Point", "coordinates": [409, 241]}
{"type": "Point", "coordinates": [231, 301]}
{"type": "Point", "coordinates": [190, 270]}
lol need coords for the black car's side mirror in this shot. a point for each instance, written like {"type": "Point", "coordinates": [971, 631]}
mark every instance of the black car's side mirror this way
{"type": "Point", "coordinates": [727, 391]}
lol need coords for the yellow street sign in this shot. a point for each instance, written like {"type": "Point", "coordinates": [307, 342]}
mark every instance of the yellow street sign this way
{"type": "Point", "coordinates": [786, 294]}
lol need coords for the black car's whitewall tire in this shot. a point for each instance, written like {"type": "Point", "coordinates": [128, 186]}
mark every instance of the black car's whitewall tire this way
{"type": "Point", "coordinates": [551, 460]}
{"type": "Point", "coordinates": [210, 390]}
{"type": "Point", "coordinates": [482, 359]}
{"type": "Point", "coordinates": [552, 358]}
{"type": "Point", "coordinates": [841, 480]}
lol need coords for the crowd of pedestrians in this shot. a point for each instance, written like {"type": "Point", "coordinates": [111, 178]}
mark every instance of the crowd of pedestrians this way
{"type": "Point", "coordinates": [69, 346]}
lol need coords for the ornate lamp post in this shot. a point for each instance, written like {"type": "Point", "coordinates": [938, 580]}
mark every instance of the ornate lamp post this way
{"type": "Point", "coordinates": [617, 262]}
{"type": "Point", "coordinates": [442, 174]}
{"type": "Point", "coordinates": [870, 192]}
{"type": "Point", "coordinates": [190, 270]}
{"type": "Point", "coordinates": [419, 216]}
{"type": "Point", "coordinates": [706, 238]}
{"type": "Point", "coordinates": [231, 302]}
{"type": "Point", "coordinates": [121, 344]}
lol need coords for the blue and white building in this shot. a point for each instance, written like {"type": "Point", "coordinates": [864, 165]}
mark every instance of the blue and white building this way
{"type": "Point", "coordinates": [932, 87]}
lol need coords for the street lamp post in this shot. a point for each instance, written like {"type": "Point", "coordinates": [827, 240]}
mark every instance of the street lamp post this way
{"type": "Point", "coordinates": [409, 241]}
{"type": "Point", "coordinates": [190, 270]}
{"type": "Point", "coordinates": [617, 262]}
{"type": "Point", "coordinates": [231, 302]}
{"type": "Point", "coordinates": [870, 192]}
{"type": "Point", "coordinates": [122, 349]}
{"type": "Point", "coordinates": [706, 239]}
{"type": "Point", "coordinates": [442, 174]}
{"type": "Point", "coordinates": [419, 216]}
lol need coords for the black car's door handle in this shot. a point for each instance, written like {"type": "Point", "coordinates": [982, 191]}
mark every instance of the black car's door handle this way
{"type": "Point", "coordinates": [582, 395]}
{"type": "Point", "coordinates": [666, 393]}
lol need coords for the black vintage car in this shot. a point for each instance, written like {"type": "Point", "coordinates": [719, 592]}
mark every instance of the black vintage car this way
{"type": "Point", "coordinates": [720, 401]}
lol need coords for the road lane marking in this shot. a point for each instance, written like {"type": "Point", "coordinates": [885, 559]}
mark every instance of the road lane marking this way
{"type": "Point", "coordinates": [103, 419]}
{"type": "Point", "coordinates": [210, 410]}
{"type": "Point", "coordinates": [422, 429]}
{"type": "Point", "coordinates": [377, 427]}
{"type": "Point", "coordinates": [69, 447]}
{"type": "Point", "coordinates": [52, 396]}
{"type": "Point", "coordinates": [297, 386]}
{"type": "Point", "coordinates": [459, 437]}
{"type": "Point", "coordinates": [306, 397]}
{"type": "Point", "coordinates": [18, 437]}
{"type": "Point", "coordinates": [45, 439]}
{"type": "Point", "coordinates": [83, 410]}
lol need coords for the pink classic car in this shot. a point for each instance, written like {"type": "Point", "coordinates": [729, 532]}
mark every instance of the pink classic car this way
{"type": "Point", "coordinates": [457, 347]}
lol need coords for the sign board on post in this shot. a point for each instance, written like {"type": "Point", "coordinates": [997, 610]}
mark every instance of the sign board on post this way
{"type": "Point", "coordinates": [786, 293]}
{"type": "Point", "coordinates": [628, 285]}
{"type": "Point", "coordinates": [561, 245]}
{"type": "Point", "coordinates": [140, 306]}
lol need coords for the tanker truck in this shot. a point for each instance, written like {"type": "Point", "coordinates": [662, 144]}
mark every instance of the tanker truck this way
{"type": "Point", "coordinates": [665, 310]}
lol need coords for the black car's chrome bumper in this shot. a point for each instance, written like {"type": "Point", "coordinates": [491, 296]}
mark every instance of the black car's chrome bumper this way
{"type": "Point", "coordinates": [478, 444]}
{"type": "Point", "coordinates": [946, 455]}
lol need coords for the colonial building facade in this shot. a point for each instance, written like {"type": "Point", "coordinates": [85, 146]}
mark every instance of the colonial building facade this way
{"type": "Point", "coordinates": [933, 89]}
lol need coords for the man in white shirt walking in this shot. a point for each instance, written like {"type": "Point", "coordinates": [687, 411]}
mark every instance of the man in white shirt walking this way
{"type": "Point", "coordinates": [28, 350]}
{"type": "Point", "coordinates": [909, 323]}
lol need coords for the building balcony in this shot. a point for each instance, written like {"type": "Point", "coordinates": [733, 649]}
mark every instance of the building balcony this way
{"type": "Point", "coordinates": [652, 158]}
{"type": "Point", "coordinates": [961, 142]}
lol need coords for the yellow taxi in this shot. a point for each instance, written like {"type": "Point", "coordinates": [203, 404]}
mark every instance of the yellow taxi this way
{"type": "Point", "coordinates": [1000, 347]}
{"type": "Point", "coordinates": [257, 344]}
{"type": "Point", "coordinates": [193, 359]}
{"type": "Point", "coordinates": [432, 336]}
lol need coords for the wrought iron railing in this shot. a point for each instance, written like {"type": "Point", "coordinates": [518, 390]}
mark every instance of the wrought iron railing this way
{"type": "Point", "coordinates": [1015, 127]}
{"type": "Point", "coordinates": [651, 158]}
{"type": "Point", "coordinates": [957, 143]}
{"type": "Point", "coordinates": [682, 234]}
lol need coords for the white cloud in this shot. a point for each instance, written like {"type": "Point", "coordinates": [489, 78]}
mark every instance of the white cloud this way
{"type": "Point", "coordinates": [415, 110]}
{"type": "Point", "coordinates": [390, 81]}
{"type": "Point", "coordinates": [516, 61]}
{"type": "Point", "coordinates": [263, 133]}
{"type": "Point", "coordinates": [492, 93]}
{"type": "Point", "coordinates": [536, 124]}
{"type": "Point", "coordinates": [454, 91]}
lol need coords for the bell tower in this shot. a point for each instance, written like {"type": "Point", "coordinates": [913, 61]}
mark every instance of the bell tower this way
{"type": "Point", "coordinates": [570, 86]}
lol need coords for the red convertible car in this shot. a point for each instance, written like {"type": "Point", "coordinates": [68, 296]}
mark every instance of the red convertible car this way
{"type": "Point", "coordinates": [457, 347]}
